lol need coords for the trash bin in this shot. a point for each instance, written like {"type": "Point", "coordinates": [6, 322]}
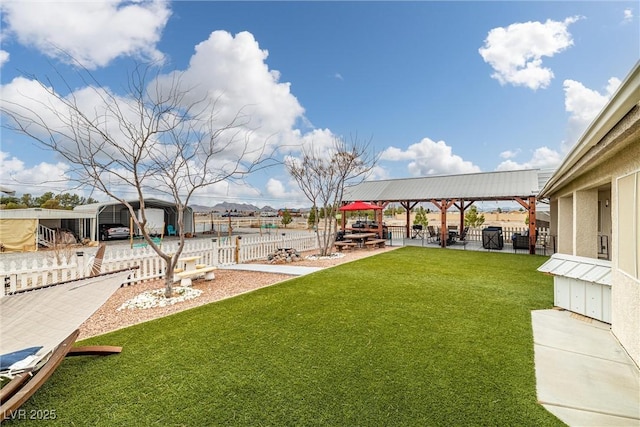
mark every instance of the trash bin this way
{"type": "Point", "coordinates": [492, 238]}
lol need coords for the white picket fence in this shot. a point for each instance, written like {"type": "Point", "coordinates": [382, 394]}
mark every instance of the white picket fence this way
{"type": "Point", "coordinates": [148, 265]}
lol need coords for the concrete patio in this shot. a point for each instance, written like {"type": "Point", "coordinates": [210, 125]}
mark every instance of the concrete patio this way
{"type": "Point", "coordinates": [468, 245]}
{"type": "Point", "coordinates": [583, 375]}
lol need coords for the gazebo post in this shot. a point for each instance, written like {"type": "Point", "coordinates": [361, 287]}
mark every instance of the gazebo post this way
{"type": "Point", "coordinates": [383, 205]}
{"type": "Point", "coordinates": [532, 225]}
{"type": "Point", "coordinates": [530, 206]}
{"type": "Point", "coordinates": [444, 233]}
{"type": "Point", "coordinates": [407, 218]}
{"type": "Point", "coordinates": [408, 207]}
{"type": "Point", "coordinates": [443, 205]}
{"type": "Point", "coordinates": [378, 216]}
{"type": "Point", "coordinates": [462, 207]}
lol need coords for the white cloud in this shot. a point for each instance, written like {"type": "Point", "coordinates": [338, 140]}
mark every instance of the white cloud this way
{"type": "Point", "coordinates": [288, 194]}
{"type": "Point", "coordinates": [28, 97]}
{"type": "Point", "coordinates": [43, 111]}
{"type": "Point", "coordinates": [584, 104]}
{"type": "Point", "coordinates": [232, 72]}
{"type": "Point", "coordinates": [275, 188]}
{"type": "Point", "coordinates": [516, 52]}
{"type": "Point", "coordinates": [509, 154]}
{"type": "Point", "coordinates": [226, 190]}
{"type": "Point", "coordinates": [378, 172]}
{"type": "Point", "coordinates": [16, 176]}
{"type": "Point", "coordinates": [628, 16]}
{"type": "Point", "coordinates": [541, 158]}
{"type": "Point", "coordinates": [4, 57]}
{"type": "Point", "coordinates": [430, 158]}
{"type": "Point", "coordinates": [94, 32]}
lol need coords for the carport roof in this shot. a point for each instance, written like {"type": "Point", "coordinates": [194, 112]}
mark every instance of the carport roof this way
{"type": "Point", "coordinates": [474, 186]}
{"type": "Point", "coordinates": [149, 203]}
{"type": "Point", "coordinates": [39, 213]}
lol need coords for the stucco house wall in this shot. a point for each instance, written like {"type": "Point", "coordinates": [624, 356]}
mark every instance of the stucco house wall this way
{"type": "Point", "coordinates": [586, 204]}
{"type": "Point", "coordinates": [625, 292]}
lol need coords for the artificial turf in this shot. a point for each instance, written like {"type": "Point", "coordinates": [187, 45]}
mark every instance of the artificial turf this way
{"type": "Point", "coordinates": [414, 336]}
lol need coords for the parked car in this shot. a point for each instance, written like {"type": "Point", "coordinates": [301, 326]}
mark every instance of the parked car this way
{"type": "Point", "coordinates": [113, 231]}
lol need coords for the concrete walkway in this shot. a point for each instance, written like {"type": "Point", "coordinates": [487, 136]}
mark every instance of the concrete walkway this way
{"type": "Point", "coordinates": [273, 268]}
{"type": "Point", "coordinates": [583, 375]}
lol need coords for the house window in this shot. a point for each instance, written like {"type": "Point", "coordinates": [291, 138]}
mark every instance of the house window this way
{"type": "Point", "coordinates": [629, 224]}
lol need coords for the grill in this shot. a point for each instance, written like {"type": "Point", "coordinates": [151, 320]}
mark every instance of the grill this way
{"type": "Point", "coordinates": [492, 238]}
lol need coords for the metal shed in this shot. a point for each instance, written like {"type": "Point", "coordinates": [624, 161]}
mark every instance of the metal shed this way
{"type": "Point", "coordinates": [116, 212]}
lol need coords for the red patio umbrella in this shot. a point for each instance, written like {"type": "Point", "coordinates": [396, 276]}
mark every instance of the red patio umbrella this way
{"type": "Point", "coordinates": [359, 206]}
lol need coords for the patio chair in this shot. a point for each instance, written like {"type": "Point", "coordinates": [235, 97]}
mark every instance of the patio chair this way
{"type": "Point", "coordinates": [453, 234]}
{"type": "Point", "coordinates": [171, 231]}
{"type": "Point", "coordinates": [30, 354]}
{"type": "Point", "coordinates": [433, 235]}
{"type": "Point", "coordinates": [463, 235]}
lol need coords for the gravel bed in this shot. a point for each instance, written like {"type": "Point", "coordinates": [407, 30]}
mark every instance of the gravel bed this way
{"type": "Point", "coordinates": [228, 283]}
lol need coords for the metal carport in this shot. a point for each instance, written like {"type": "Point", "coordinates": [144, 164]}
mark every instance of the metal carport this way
{"type": "Point", "coordinates": [116, 212]}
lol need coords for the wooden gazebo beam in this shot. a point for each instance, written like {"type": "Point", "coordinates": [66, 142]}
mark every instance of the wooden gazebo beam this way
{"type": "Point", "coordinates": [462, 207]}
{"type": "Point", "coordinates": [443, 205]}
{"type": "Point", "coordinates": [379, 214]}
{"type": "Point", "coordinates": [530, 206]}
{"type": "Point", "coordinates": [408, 205]}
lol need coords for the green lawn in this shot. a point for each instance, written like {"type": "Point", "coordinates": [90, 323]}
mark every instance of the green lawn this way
{"type": "Point", "coordinates": [414, 336]}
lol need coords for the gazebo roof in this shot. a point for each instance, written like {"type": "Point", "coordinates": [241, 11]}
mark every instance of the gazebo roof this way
{"type": "Point", "coordinates": [474, 186]}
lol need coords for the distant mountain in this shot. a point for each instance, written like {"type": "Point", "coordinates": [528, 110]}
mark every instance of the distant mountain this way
{"type": "Point", "coordinates": [225, 206]}
{"type": "Point", "coordinates": [200, 208]}
{"type": "Point", "coordinates": [230, 206]}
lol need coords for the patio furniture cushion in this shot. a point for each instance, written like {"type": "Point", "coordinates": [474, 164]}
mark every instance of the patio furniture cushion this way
{"type": "Point", "coordinates": [9, 359]}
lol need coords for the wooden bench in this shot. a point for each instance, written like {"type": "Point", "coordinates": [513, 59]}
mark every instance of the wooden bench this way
{"type": "Point", "coordinates": [185, 276]}
{"type": "Point", "coordinates": [375, 243]}
{"type": "Point", "coordinates": [340, 246]}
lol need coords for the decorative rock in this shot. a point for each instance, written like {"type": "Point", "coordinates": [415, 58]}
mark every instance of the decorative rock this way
{"type": "Point", "coordinates": [284, 256]}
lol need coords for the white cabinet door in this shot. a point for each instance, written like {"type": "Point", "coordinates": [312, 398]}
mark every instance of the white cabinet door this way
{"type": "Point", "coordinates": [578, 296]}
{"type": "Point", "coordinates": [593, 293]}
{"type": "Point", "coordinates": [562, 292]}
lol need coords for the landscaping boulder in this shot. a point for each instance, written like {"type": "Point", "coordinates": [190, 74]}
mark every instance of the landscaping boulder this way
{"type": "Point", "coordinates": [284, 256]}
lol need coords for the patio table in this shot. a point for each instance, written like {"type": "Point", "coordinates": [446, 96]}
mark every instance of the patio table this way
{"type": "Point", "coordinates": [189, 262]}
{"type": "Point", "coordinates": [359, 238]}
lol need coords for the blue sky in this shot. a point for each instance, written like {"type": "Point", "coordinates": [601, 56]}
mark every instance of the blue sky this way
{"type": "Point", "coordinates": [439, 87]}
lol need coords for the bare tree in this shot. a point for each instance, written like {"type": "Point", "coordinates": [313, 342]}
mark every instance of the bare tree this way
{"type": "Point", "coordinates": [322, 176]}
{"type": "Point", "coordinates": [160, 138]}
